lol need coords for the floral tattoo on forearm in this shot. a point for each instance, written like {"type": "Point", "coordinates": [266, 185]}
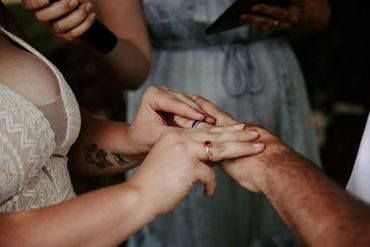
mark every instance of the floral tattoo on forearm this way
{"type": "Point", "coordinates": [99, 157]}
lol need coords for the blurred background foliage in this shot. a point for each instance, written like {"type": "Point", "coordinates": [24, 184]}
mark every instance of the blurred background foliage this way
{"type": "Point", "coordinates": [334, 62]}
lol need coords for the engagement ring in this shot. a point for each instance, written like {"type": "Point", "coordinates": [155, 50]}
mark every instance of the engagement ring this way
{"type": "Point", "coordinates": [208, 150]}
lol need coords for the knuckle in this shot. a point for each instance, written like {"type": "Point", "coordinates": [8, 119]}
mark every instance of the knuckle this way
{"type": "Point", "coordinates": [179, 147]}
{"type": "Point", "coordinates": [73, 35]}
{"type": "Point", "coordinates": [216, 135]}
{"type": "Point", "coordinates": [58, 28]}
{"type": "Point", "coordinates": [151, 93]}
{"type": "Point", "coordinates": [201, 98]}
{"type": "Point", "coordinates": [67, 37]}
{"type": "Point", "coordinates": [151, 90]}
{"type": "Point", "coordinates": [176, 141]}
{"type": "Point", "coordinates": [174, 135]}
{"type": "Point", "coordinates": [25, 4]}
{"type": "Point", "coordinates": [219, 150]}
{"type": "Point", "coordinates": [82, 12]}
{"type": "Point", "coordinates": [66, 6]}
{"type": "Point", "coordinates": [40, 17]}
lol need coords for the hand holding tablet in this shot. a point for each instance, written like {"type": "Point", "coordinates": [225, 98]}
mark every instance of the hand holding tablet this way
{"type": "Point", "coordinates": [231, 17]}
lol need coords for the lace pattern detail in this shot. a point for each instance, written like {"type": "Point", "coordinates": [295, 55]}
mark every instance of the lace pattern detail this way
{"type": "Point", "coordinates": [26, 142]}
{"type": "Point", "coordinates": [32, 173]}
{"type": "Point", "coordinates": [73, 115]}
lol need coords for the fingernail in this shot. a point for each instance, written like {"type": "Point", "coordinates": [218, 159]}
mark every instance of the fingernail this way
{"type": "Point", "coordinates": [73, 3]}
{"type": "Point", "coordinates": [258, 145]}
{"type": "Point", "coordinates": [239, 126]}
{"type": "Point", "coordinates": [92, 16]}
{"type": "Point", "coordinates": [88, 7]}
{"type": "Point", "coordinates": [252, 131]}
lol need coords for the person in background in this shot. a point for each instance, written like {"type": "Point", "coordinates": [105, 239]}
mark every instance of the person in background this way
{"type": "Point", "coordinates": [43, 137]}
{"type": "Point", "coordinates": [250, 72]}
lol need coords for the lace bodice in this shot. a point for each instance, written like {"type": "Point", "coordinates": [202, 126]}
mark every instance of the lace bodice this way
{"type": "Point", "coordinates": [33, 172]}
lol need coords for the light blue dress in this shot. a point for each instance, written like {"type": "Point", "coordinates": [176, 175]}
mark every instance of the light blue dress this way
{"type": "Point", "coordinates": [255, 77]}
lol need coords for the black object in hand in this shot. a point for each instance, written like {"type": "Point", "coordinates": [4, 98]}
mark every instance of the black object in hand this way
{"type": "Point", "coordinates": [99, 36]}
{"type": "Point", "coordinates": [230, 18]}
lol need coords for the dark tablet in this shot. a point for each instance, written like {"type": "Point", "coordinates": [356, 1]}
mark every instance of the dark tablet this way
{"type": "Point", "coordinates": [230, 18]}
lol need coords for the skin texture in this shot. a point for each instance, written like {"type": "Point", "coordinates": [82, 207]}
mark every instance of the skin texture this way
{"type": "Point", "coordinates": [317, 210]}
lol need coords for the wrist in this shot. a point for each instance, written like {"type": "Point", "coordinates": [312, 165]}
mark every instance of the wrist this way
{"type": "Point", "coordinates": [131, 149]}
{"type": "Point", "coordinates": [146, 202]}
{"type": "Point", "coordinates": [281, 165]}
{"type": "Point", "coordinates": [134, 210]}
{"type": "Point", "coordinates": [275, 159]}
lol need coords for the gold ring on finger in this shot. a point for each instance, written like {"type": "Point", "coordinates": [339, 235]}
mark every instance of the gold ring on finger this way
{"type": "Point", "coordinates": [208, 150]}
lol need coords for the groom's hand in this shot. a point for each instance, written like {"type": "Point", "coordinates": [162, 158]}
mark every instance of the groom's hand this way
{"type": "Point", "coordinates": [248, 171]}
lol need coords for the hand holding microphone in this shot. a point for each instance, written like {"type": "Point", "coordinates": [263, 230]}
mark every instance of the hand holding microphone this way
{"type": "Point", "coordinates": [100, 37]}
{"type": "Point", "coordinates": [73, 19]}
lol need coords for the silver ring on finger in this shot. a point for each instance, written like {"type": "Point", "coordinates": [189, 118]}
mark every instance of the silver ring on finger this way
{"type": "Point", "coordinates": [196, 123]}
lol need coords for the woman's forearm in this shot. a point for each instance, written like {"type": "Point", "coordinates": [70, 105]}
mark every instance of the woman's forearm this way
{"type": "Point", "coordinates": [102, 149]}
{"type": "Point", "coordinates": [126, 67]}
{"type": "Point", "coordinates": [318, 211]}
{"type": "Point", "coordinates": [104, 217]}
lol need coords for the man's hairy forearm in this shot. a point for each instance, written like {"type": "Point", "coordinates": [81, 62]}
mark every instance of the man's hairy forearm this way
{"type": "Point", "coordinates": [318, 211]}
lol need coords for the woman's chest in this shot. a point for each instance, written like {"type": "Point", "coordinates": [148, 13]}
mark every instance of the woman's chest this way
{"type": "Point", "coordinates": [26, 74]}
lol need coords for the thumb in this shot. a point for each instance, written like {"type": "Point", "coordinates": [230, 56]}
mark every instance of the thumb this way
{"type": "Point", "coordinates": [207, 176]}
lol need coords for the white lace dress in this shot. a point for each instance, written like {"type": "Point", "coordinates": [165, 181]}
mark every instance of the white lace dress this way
{"type": "Point", "coordinates": [33, 168]}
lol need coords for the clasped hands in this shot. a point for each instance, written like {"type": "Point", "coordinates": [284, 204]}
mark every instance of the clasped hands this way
{"type": "Point", "coordinates": [174, 158]}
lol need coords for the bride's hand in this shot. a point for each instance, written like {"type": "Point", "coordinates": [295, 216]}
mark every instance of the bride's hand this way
{"type": "Point", "coordinates": [221, 118]}
{"type": "Point", "coordinates": [182, 157]}
{"type": "Point", "coordinates": [155, 116]}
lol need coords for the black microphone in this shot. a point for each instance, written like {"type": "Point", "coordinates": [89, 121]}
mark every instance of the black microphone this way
{"type": "Point", "coordinates": [99, 36]}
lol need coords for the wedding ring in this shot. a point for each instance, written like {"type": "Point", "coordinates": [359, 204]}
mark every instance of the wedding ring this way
{"type": "Point", "coordinates": [208, 150]}
{"type": "Point", "coordinates": [196, 123]}
{"type": "Point", "coordinates": [276, 24]}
